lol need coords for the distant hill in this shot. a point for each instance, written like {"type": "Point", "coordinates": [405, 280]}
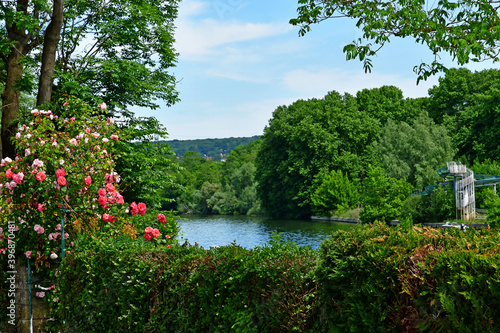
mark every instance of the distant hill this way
{"type": "Point", "coordinates": [209, 148]}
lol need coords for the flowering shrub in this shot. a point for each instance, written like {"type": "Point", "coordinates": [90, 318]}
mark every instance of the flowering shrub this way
{"type": "Point", "coordinates": [65, 167]}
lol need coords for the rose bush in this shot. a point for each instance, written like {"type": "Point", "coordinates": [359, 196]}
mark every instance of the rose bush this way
{"type": "Point", "coordinates": [65, 168]}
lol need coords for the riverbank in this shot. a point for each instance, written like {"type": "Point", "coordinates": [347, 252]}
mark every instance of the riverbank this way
{"type": "Point", "coordinates": [336, 219]}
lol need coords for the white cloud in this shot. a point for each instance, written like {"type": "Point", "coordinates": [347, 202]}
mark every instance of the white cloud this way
{"type": "Point", "coordinates": [199, 37]}
{"type": "Point", "coordinates": [318, 81]}
{"type": "Point", "coordinates": [192, 8]}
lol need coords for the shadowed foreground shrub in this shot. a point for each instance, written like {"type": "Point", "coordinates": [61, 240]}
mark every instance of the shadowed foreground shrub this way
{"type": "Point", "coordinates": [381, 279]}
{"type": "Point", "coordinates": [371, 279]}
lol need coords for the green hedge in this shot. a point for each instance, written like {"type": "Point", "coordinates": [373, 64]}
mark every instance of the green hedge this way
{"type": "Point", "coordinates": [370, 279]}
{"type": "Point", "coordinates": [382, 279]}
{"type": "Point", "coordinates": [188, 289]}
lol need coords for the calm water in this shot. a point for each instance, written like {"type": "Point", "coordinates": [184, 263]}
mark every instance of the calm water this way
{"type": "Point", "coordinates": [249, 232]}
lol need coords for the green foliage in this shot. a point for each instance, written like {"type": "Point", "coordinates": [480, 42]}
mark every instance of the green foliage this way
{"type": "Point", "coordinates": [145, 166]}
{"type": "Point", "coordinates": [371, 279]}
{"type": "Point", "coordinates": [333, 133]}
{"type": "Point", "coordinates": [382, 197]}
{"type": "Point", "coordinates": [220, 188]}
{"type": "Point", "coordinates": [467, 30]}
{"type": "Point", "coordinates": [304, 138]}
{"type": "Point", "coordinates": [467, 104]}
{"type": "Point", "coordinates": [438, 206]}
{"type": "Point", "coordinates": [492, 205]}
{"type": "Point", "coordinates": [334, 193]}
{"type": "Point", "coordinates": [108, 287]}
{"type": "Point", "coordinates": [414, 152]}
{"type": "Point", "coordinates": [486, 167]}
{"type": "Point", "coordinates": [384, 279]}
{"type": "Point", "coordinates": [210, 148]}
{"type": "Point", "coordinates": [132, 53]}
{"type": "Point", "coordinates": [387, 102]}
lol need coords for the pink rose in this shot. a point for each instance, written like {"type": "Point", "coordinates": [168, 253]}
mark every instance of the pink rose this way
{"type": "Point", "coordinates": [155, 233]}
{"type": "Point", "coordinates": [40, 176]}
{"type": "Point", "coordinates": [28, 254]}
{"type": "Point", "coordinates": [60, 172]}
{"type": "Point", "coordinates": [18, 178]}
{"type": "Point", "coordinates": [103, 200]}
{"type": "Point", "coordinates": [142, 208]}
{"type": "Point", "coordinates": [167, 236]}
{"type": "Point", "coordinates": [109, 178]}
{"type": "Point", "coordinates": [9, 174]}
{"type": "Point", "coordinates": [110, 187]}
{"type": "Point", "coordinates": [147, 237]}
{"type": "Point", "coordinates": [40, 294]}
{"type": "Point", "coordinates": [114, 137]}
{"type": "Point", "coordinates": [39, 229]}
{"type": "Point", "coordinates": [119, 199]}
{"type": "Point", "coordinates": [40, 207]}
{"type": "Point", "coordinates": [148, 230]}
{"type": "Point", "coordinates": [102, 106]}
{"type": "Point", "coordinates": [133, 208]}
{"type": "Point", "coordinates": [161, 218]}
{"type": "Point", "coordinates": [61, 181]}
{"type": "Point", "coordinates": [102, 191]}
{"type": "Point", "coordinates": [88, 180]}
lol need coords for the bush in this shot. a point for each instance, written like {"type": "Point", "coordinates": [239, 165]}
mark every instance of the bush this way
{"type": "Point", "coordinates": [382, 279]}
{"type": "Point", "coordinates": [371, 279]}
{"type": "Point", "coordinates": [383, 197]}
{"type": "Point", "coordinates": [333, 193]}
{"type": "Point", "coordinates": [437, 206]}
{"type": "Point", "coordinates": [112, 287]}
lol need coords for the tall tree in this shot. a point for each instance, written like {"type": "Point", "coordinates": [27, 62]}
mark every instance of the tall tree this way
{"type": "Point", "coordinates": [304, 138]}
{"type": "Point", "coordinates": [467, 103]}
{"type": "Point", "coordinates": [468, 30]}
{"type": "Point", "coordinates": [414, 151]}
{"type": "Point", "coordinates": [22, 26]}
{"type": "Point", "coordinates": [116, 51]}
{"type": "Point", "coordinates": [50, 42]}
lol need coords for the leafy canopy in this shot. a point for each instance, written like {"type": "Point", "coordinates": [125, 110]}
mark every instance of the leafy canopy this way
{"type": "Point", "coordinates": [414, 151]}
{"type": "Point", "coordinates": [468, 30]}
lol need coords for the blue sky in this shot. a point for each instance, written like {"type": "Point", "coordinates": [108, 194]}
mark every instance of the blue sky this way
{"type": "Point", "coordinates": [240, 59]}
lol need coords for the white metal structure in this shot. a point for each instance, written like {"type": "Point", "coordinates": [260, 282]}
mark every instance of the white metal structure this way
{"type": "Point", "coordinates": [465, 199]}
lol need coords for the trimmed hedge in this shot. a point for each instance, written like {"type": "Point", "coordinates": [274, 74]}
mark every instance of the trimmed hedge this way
{"type": "Point", "coordinates": [370, 279]}
{"type": "Point", "coordinates": [189, 289]}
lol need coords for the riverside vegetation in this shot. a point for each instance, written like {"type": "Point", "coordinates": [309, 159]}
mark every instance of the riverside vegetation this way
{"type": "Point", "coordinates": [125, 271]}
{"type": "Point", "coordinates": [159, 285]}
{"type": "Point", "coordinates": [373, 279]}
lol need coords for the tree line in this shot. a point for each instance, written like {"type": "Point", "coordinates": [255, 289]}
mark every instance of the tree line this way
{"type": "Point", "coordinates": [207, 186]}
{"type": "Point", "coordinates": [371, 150]}
{"type": "Point", "coordinates": [216, 149]}
{"type": "Point", "coordinates": [355, 155]}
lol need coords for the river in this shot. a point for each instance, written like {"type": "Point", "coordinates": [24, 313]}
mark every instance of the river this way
{"type": "Point", "coordinates": [248, 232]}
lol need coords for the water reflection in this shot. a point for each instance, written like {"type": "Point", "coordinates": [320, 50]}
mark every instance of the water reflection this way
{"type": "Point", "coordinates": [249, 231]}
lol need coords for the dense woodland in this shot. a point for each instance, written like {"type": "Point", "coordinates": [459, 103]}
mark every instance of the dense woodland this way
{"type": "Point", "coordinates": [216, 149]}
{"type": "Point", "coordinates": [360, 154]}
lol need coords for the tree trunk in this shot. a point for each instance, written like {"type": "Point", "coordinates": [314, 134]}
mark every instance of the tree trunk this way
{"type": "Point", "coordinates": [50, 42]}
{"type": "Point", "coordinates": [20, 39]}
{"type": "Point", "coordinates": [10, 102]}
